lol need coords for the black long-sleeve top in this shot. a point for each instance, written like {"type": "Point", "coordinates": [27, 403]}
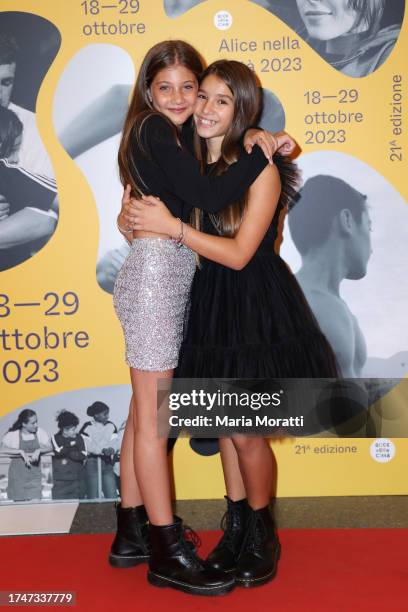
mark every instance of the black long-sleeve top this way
{"type": "Point", "coordinates": [172, 173]}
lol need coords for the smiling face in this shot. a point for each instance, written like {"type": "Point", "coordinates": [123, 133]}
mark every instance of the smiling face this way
{"type": "Point", "coordinates": [173, 92]}
{"type": "Point", "coordinates": [214, 110]}
{"type": "Point", "coordinates": [327, 19]}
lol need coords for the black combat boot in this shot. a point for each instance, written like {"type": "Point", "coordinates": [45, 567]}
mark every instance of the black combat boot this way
{"type": "Point", "coordinates": [225, 555]}
{"type": "Point", "coordinates": [131, 544]}
{"type": "Point", "coordinates": [258, 559]}
{"type": "Point", "coordinates": [173, 563]}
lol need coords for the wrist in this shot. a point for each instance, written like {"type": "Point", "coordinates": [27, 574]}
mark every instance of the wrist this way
{"type": "Point", "coordinates": [122, 226]}
{"type": "Point", "coordinates": [174, 228]}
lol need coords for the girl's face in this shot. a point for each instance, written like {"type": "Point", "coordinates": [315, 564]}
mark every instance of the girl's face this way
{"type": "Point", "coordinates": [327, 19]}
{"type": "Point", "coordinates": [173, 92]}
{"type": "Point", "coordinates": [14, 155]}
{"type": "Point", "coordinates": [102, 417]}
{"type": "Point", "coordinates": [214, 110]}
{"type": "Point", "coordinates": [31, 425]}
{"type": "Point", "coordinates": [69, 432]}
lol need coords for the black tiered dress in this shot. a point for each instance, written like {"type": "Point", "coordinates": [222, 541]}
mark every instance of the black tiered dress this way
{"type": "Point", "coordinates": [255, 322]}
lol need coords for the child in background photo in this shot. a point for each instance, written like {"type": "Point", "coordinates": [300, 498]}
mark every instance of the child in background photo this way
{"type": "Point", "coordinates": [69, 458]}
{"type": "Point", "coordinates": [25, 442]}
{"type": "Point", "coordinates": [101, 439]}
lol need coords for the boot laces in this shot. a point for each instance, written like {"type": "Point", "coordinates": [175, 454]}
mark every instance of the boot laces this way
{"type": "Point", "coordinates": [230, 534]}
{"type": "Point", "coordinates": [188, 552]}
{"type": "Point", "coordinates": [255, 536]}
{"type": "Point", "coordinates": [192, 536]}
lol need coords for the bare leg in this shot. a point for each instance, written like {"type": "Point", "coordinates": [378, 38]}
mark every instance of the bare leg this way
{"type": "Point", "coordinates": [129, 489]}
{"type": "Point", "coordinates": [150, 451]}
{"type": "Point", "coordinates": [234, 484]}
{"type": "Point", "coordinates": [256, 466]}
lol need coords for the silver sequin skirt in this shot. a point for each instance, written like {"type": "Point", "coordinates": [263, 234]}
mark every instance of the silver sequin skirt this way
{"type": "Point", "coordinates": [150, 297]}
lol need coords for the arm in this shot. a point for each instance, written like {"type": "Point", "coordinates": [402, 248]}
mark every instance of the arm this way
{"type": "Point", "coordinates": [91, 445]}
{"type": "Point", "coordinates": [46, 445]}
{"type": "Point", "coordinates": [269, 142]}
{"type": "Point", "coordinates": [8, 448]}
{"type": "Point", "coordinates": [6, 451]}
{"type": "Point", "coordinates": [183, 172]}
{"type": "Point", "coordinates": [24, 226]}
{"type": "Point", "coordinates": [4, 208]}
{"type": "Point", "coordinates": [231, 252]}
{"type": "Point", "coordinates": [99, 121]}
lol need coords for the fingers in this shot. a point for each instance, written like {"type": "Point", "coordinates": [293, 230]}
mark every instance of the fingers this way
{"type": "Point", "coordinates": [265, 148]}
{"type": "Point", "coordinates": [270, 143]}
{"type": "Point", "coordinates": [126, 195]}
{"type": "Point", "coordinates": [133, 215]}
{"type": "Point", "coordinates": [267, 142]}
{"type": "Point", "coordinates": [151, 200]}
{"type": "Point", "coordinates": [286, 144]}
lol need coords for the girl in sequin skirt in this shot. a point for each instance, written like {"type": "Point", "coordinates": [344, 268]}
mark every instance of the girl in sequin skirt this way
{"type": "Point", "coordinates": [150, 296]}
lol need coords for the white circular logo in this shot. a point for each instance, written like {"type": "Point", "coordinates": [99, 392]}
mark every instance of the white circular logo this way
{"type": "Point", "coordinates": [382, 450]}
{"type": "Point", "coordinates": [223, 20]}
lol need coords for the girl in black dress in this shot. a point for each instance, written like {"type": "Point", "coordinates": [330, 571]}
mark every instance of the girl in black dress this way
{"type": "Point", "coordinates": [248, 316]}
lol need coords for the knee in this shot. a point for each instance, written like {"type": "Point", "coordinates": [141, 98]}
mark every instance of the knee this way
{"type": "Point", "coordinates": [246, 445]}
{"type": "Point", "coordinates": [147, 432]}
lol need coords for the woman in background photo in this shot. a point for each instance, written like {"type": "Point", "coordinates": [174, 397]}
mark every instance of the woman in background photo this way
{"type": "Point", "coordinates": [349, 33]}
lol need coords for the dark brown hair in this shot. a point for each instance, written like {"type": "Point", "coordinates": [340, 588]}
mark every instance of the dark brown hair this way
{"type": "Point", "coordinates": [8, 49]}
{"type": "Point", "coordinates": [10, 129]}
{"type": "Point", "coordinates": [163, 55]}
{"type": "Point", "coordinates": [244, 86]}
{"type": "Point", "coordinates": [24, 416]}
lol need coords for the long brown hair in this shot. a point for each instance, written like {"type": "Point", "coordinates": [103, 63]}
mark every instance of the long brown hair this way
{"type": "Point", "coordinates": [244, 86]}
{"type": "Point", "coordinates": [163, 55]}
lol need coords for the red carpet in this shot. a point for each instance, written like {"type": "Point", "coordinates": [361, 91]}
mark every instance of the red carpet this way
{"type": "Point", "coordinates": [330, 570]}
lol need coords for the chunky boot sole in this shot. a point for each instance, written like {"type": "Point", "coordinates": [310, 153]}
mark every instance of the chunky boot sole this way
{"type": "Point", "coordinates": [253, 582]}
{"type": "Point", "coordinates": [165, 581]}
{"type": "Point", "coordinates": [121, 561]}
